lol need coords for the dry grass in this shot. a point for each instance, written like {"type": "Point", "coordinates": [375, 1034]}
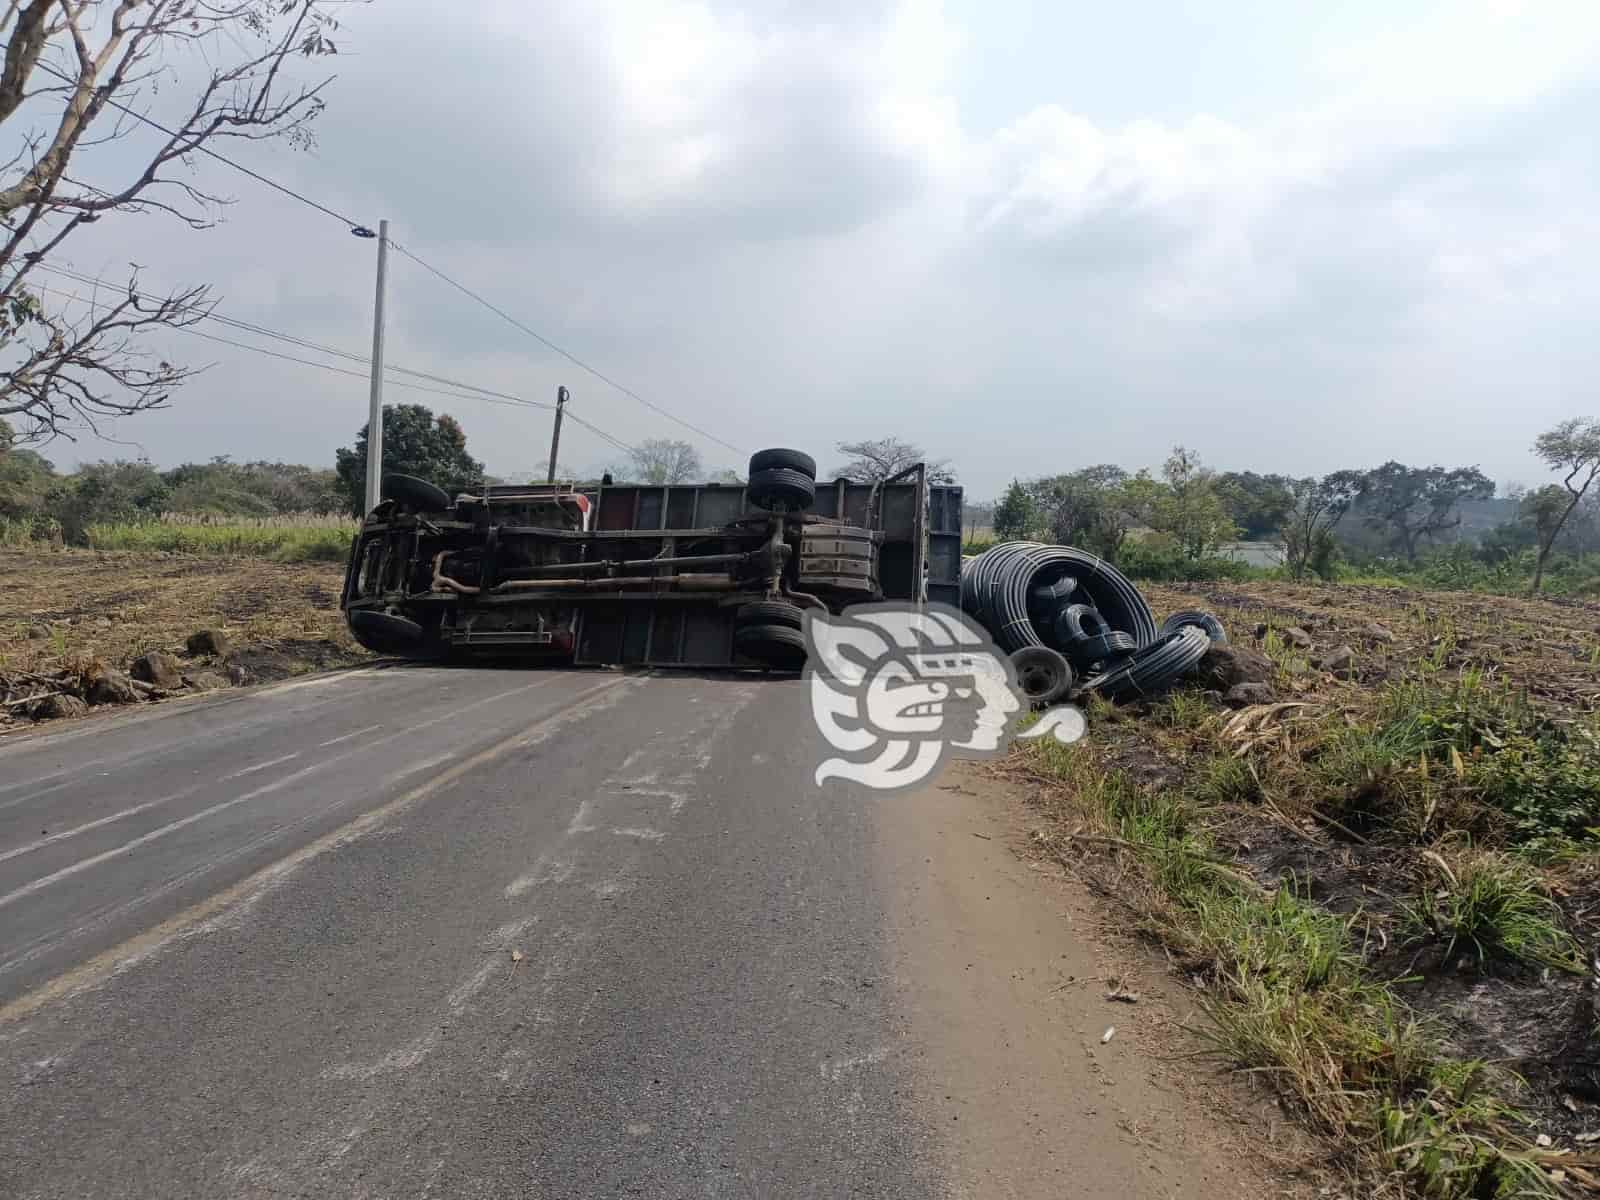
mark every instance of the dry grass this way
{"type": "Point", "coordinates": [74, 606]}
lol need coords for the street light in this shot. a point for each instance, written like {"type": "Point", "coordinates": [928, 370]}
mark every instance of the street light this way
{"type": "Point", "coordinates": [375, 415]}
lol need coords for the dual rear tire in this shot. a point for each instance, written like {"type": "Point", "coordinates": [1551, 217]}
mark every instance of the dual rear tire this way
{"type": "Point", "coordinates": [768, 631]}
{"type": "Point", "coordinates": [782, 480]}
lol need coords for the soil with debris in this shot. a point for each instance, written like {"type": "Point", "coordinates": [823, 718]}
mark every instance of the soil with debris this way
{"type": "Point", "coordinates": [1540, 1023]}
{"type": "Point", "coordinates": [81, 630]}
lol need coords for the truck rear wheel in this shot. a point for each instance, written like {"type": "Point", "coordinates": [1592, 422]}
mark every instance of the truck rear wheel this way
{"type": "Point", "coordinates": [782, 488]}
{"type": "Point", "coordinates": [775, 646]}
{"type": "Point", "coordinates": [769, 612]}
{"type": "Point", "coordinates": [793, 460]}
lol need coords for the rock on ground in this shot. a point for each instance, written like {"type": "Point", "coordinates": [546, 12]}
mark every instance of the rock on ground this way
{"type": "Point", "coordinates": [205, 681]}
{"type": "Point", "coordinates": [1341, 663]}
{"type": "Point", "coordinates": [157, 667]}
{"type": "Point", "coordinates": [1227, 664]}
{"type": "Point", "coordinates": [53, 707]}
{"type": "Point", "coordinates": [1244, 694]}
{"type": "Point", "coordinates": [210, 641]}
{"type": "Point", "coordinates": [110, 687]}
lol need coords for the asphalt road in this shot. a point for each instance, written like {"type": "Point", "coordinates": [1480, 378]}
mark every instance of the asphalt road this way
{"type": "Point", "coordinates": [418, 932]}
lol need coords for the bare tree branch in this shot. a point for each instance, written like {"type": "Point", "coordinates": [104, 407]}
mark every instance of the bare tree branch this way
{"type": "Point", "coordinates": [57, 362]}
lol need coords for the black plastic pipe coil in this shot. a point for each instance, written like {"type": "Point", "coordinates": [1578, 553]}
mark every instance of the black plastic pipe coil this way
{"type": "Point", "coordinates": [995, 586]}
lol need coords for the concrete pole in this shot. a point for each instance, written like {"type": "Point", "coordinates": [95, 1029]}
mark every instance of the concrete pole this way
{"type": "Point", "coordinates": [375, 413]}
{"type": "Point", "coordinates": [555, 439]}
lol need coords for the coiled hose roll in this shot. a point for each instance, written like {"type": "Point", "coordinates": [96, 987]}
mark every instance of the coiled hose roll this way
{"type": "Point", "coordinates": [1153, 669]}
{"type": "Point", "coordinates": [995, 587]}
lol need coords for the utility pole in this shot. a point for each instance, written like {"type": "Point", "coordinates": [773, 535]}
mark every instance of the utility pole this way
{"type": "Point", "coordinates": [375, 414]}
{"type": "Point", "coordinates": [555, 438]}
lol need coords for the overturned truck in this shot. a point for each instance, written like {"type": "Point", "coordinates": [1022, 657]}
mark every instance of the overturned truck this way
{"type": "Point", "coordinates": [684, 575]}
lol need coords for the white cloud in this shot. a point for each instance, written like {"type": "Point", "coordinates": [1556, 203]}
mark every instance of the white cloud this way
{"type": "Point", "coordinates": [772, 217]}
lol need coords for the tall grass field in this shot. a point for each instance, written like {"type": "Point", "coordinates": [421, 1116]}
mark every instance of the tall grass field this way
{"type": "Point", "coordinates": [288, 538]}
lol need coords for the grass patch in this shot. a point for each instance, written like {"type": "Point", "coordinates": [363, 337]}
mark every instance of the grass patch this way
{"type": "Point", "coordinates": [322, 540]}
{"type": "Point", "coordinates": [1487, 907]}
{"type": "Point", "coordinates": [1435, 757]}
{"type": "Point", "coordinates": [1286, 986]}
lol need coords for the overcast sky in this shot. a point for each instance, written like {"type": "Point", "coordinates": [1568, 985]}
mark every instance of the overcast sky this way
{"type": "Point", "coordinates": [1029, 236]}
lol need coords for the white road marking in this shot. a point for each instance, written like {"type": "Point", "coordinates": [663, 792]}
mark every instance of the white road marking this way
{"type": "Point", "coordinates": [154, 834]}
{"type": "Point", "coordinates": [109, 963]}
{"type": "Point", "coordinates": [469, 987]}
{"type": "Point", "coordinates": [144, 839]}
{"type": "Point", "coordinates": [262, 766]}
{"type": "Point", "coordinates": [839, 1067]}
{"type": "Point", "coordinates": [50, 840]}
{"type": "Point", "coordinates": [505, 936]}
{"type": "Point", "coordinates": [547, 869]}
{"type": "Point", "coordinates": [402, 1058]}
{"type": "Point", "coordinates": [345, 737]}
{"type": "Point", "coordinates": [283, 689]}
{"type": "Point", "coordinates": [580, 819]}
{"type": "Point", "coordinates": [649, 835]}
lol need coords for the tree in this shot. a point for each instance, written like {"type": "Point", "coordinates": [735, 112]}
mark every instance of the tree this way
{"type": "Point", "coordinates": [77, 75]}
{"type": "Point", "coordinates": [107, 493]}
{"type": "Point", "coordinates": [1413, 504]}
{"type": "Point", "coordinates": [1317, 505]}
{"type": "Point", "coordinates": [1095, 508]}
{"type": "Point", "coordinates": [1258, 504]}
{"type": "Point", "coordinates": [884, 458]}
{"type": "Point", "coordinates": [415, 442]}
{"type": "Point", "coordinates": [659, 460]}
{"type": "Point", "coordinates": [1191, 510]}
{"type": "Point", "coordinates": [1017, 514]}
{"type": "Point", "coordinates": [1574, 447]}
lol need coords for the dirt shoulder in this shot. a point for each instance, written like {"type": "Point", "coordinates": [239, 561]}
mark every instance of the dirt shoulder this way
{"type": "Point", "coordinates": [1001, 965]}
{"type": "Point", "coordinates": [67, 616]}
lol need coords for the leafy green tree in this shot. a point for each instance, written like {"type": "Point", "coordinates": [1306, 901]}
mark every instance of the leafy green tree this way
{"type": "Point", "coordinates": [1082, 508]}
{"type": "Point", "coordinates": [107, 493]}
{"type": "Point", "coordinates": [1415, 504]}
{"type": "Point", "coordinates": [1258, 504]}
{"type": "Point", "coordinates": [1191, 509]}
{"type": "Point", "coordinates": [1318, 505]}
{"type": "Point", "coordinates": [253, 488]}
{"type": "Point", "coordinates": [1573, 447]}
{"type": "Point", "coordinates": [415, 442]}
{"type": "Point", "coordinates": [1017, 515]}
{"type": "Point", "coordinates": [26, 479]}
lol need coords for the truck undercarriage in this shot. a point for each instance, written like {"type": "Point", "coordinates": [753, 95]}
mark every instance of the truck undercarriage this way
{"type": "Point", "coordinates": [691, 575]}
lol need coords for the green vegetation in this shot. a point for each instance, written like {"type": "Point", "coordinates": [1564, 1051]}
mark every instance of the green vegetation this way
{"type": "Point", "coordinates": [1489, 906]}
{"type": "Point", "coordinates": [1464, 755]}
{"type": "Point", "coordinates": [415, 442]}
{"type": "Point", "coordinates": [312, 539]}
{"type": "Point", "coordinates": [1444, 826]}
{"type": "Point", "coordinates": [1289, 994]}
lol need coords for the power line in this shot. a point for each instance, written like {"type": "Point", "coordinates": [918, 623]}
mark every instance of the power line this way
{"type": "Point", "coordinates": [203, 149]}
{"type": "Point", "coordinates": [570, 357]}
{"type": "Point", "coordinates": [355, 226]}
{"type": "Point", "coordinates": [596, 430]}
{"type": "Point", "coordinates": [305, 343]}
{"type": "Point", "coordinates": [211, 337]}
